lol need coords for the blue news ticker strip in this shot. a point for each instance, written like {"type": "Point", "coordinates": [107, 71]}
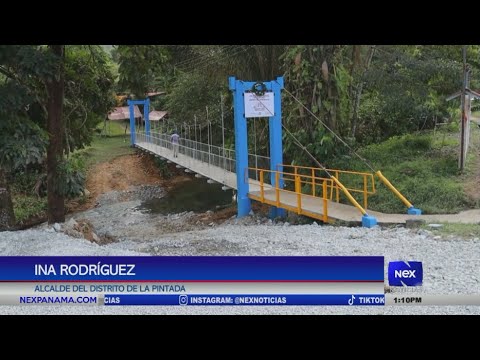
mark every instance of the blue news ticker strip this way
{"type": "Point", "coordinates": [194, 268]}
{"type": "Point", "coordinates": [245, 300]}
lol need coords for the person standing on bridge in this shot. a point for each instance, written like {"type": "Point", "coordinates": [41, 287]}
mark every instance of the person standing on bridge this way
{"type": "Point", "coordinates": [175, 143]}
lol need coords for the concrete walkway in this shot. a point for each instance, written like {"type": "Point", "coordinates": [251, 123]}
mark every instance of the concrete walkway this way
{"type": "Point", "coordinates": [344, 212]}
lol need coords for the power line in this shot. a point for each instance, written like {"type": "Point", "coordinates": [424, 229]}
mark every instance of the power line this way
{"type": "Point", "coordinates": [195, 64]}
{"type": "Point", "coordinates": [187, 62]}
{"type": "Point", "coordinates": [300, 145]}
{"type": "Point", "coordinates": [221, 57]}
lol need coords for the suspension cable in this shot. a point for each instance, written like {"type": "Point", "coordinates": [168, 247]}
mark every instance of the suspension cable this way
{"type": "Point", "coordinates": [300, 145]}
{"type": "Point", "coordinates": [297, 142]}
{"type": "Point", "coordinates": [333, 132]}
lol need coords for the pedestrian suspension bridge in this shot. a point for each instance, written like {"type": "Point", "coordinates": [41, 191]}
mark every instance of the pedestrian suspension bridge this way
{"type": "Point", "coordinates": [317, 192]}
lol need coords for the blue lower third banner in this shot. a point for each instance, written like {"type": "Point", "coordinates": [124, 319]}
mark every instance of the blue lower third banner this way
{"type": "Point", "coordinates": [246, 299]}
{"type": "Point", "coordinates": [191, 268]}
{"type": "Point", "coordinates": [193, 280]}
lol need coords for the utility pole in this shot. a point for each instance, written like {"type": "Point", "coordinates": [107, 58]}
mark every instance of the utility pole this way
{"type": "Point", "coordinates": [463, 105]}
{"type": "Point", "coordinates": [466, 95]}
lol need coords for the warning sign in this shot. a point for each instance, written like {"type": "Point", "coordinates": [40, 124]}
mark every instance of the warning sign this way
{"type": "Point", "coordinates": [259, 106]}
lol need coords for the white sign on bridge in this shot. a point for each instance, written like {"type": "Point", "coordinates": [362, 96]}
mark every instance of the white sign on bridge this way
{"type": "Point", "coordinates": [259, 106]}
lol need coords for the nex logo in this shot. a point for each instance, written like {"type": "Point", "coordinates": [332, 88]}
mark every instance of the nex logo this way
{"type": "Point", "coordinates": [403, 273]}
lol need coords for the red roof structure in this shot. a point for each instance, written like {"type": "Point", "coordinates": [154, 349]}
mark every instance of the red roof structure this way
{"type": "Point", "coordinates": [123, 113]}
{"type": "Point", "coordinates": [156, 115]}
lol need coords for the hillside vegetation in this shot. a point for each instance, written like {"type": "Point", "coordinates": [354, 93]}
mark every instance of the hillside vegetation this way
{"type": "Point", "coordinates": [424, 168]}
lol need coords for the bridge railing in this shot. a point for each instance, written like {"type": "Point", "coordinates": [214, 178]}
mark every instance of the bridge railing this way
{"type": "Point", "coordinates": [293, 184]}
{"type": "Point", "coordinates": [361, 183]}
{"type": "Point", "coordinates": [210, 154]}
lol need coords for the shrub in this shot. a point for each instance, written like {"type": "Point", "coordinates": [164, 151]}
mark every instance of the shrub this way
{"type": "Point", "coordinates": [72, 171]}
{"type": "Point", "coordinates": [26, 207]}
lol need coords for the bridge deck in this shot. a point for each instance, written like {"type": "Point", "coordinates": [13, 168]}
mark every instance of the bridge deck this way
{"type": "Point", "coordinates": [209, 171]}
{"type": "Point", "coordinates": [311, 206]}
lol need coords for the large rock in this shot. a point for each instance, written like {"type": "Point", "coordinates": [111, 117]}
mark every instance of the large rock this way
{"type": "Point", "coordinates": [414, 223]}
{"type": "Point", "coordinates": [73, 233]}
{"type": "Point", "coordinates": [71, 224]}
{"type": "Point", "coordinates": [95, 238]}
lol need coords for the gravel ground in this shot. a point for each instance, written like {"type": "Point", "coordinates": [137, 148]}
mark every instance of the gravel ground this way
{"type": "Point", "coordinates": [143, 192]}
{"type": "Point", "coordinates": [450, 264]}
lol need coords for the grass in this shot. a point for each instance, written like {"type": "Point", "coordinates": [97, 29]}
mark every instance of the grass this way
{"type": "Point", "coordinates": [422, 167]}
{"type": "Point", "coordinates": [466, 231]}
{"type": "Point", "coordinates": [105, 149]}
{"type": "Point", "coordinates": [28, 206]}
{"type": "Point", "coordinates": [113, 128]}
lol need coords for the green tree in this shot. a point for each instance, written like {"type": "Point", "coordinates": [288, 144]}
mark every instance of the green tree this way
{"type": "Point", "coordinates": [55, 128]}
{"type": "Point", "coordinates": [31, 93]}
{"type": "Point", "coordinates": [7, 217]}
{"type": "Point", "coordinates": [139, 67]}
{"type": "Point", "coordinates": [22, 141]}
{"type": "Point", "coordinates": [89, 95]}
{"type": "Point", "coordinates": [367, 93]}
{"type": "Point", "coordinates": [320, 77]}
{"type": "Point", "coordinates": [405, 89]}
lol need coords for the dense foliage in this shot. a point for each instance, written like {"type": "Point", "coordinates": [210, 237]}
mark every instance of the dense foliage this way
{"type": "Point", "coordinates": [27, 73]}
{"type": "Point", "coordinates": [89, 95]}
{"type": "Point", "coordinates": [364, 93]}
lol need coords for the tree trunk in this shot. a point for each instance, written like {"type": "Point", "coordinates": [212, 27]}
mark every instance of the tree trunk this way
{"type": "Point", "coordinates": [359, 90]}
{"type": "Point", "coordinates": [55, 128]}
{"type": "Point", "coordinates": [260, 61]}
{"type": "Point", "coordinates": [7, 217]}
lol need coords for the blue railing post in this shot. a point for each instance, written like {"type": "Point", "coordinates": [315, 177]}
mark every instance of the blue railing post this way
{"type": "Point", "coordinates": [132, 122]}
{"type": "Point", "coordinates": [146, 115]}
{"type": "Point", "coordinates": [276, 147]}
{"type": "Point", "coordinates": [241, 147]}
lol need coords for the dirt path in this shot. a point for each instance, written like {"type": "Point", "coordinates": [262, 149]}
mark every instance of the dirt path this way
{"type": "Point", "coordinates": [121, 174]}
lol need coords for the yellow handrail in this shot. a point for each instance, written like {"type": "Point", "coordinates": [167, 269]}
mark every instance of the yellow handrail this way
{"type": "Point", "coordinates": [277, 188]}
{"type": "Point", "coordinates": [365, 189]}
{"type": "Point", "coordinates": [349, 196]}
{"type": "Point", "coordinates": [365, 198]}
{"type": "Point", "coordinates": [394, 190]}
{"type": "Point", "coordinates": [297, 180]}
{"type": "Point", "coordinates": [298, 190]}
{"type": "Point", "coordinates": [325, 203]}
{"type": "Point", "coordinates": [333, 184]}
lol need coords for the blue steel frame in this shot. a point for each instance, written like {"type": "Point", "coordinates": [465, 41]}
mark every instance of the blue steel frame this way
{"type": "Point", "coordinates": [239, 87]}
{"type": "Point", "coordinates": [146, 116]}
